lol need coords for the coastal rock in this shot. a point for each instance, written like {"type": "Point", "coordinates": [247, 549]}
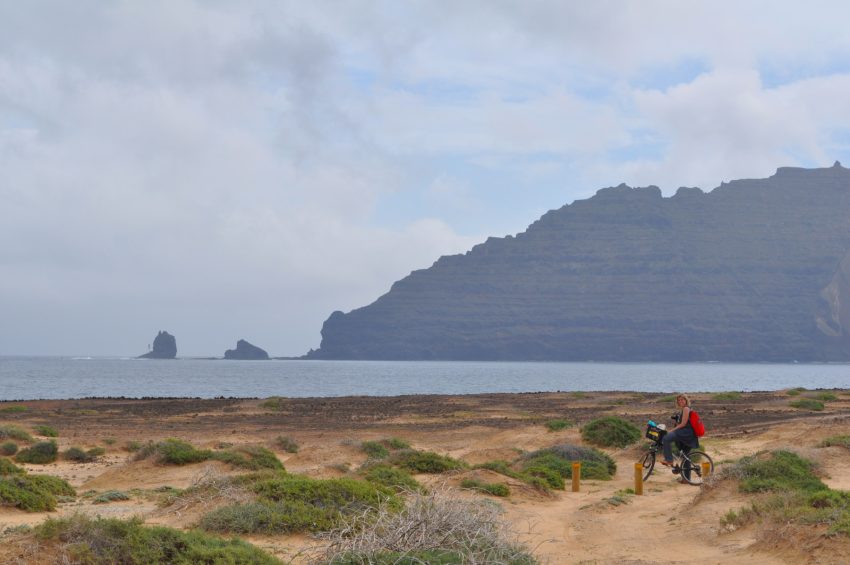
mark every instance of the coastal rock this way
{"type": "Point", "coordinates": [754, 270]}
{"type": "Point", "coordinates": [245, 352]}
{"type": "Point", "coordinates": [164, 347]}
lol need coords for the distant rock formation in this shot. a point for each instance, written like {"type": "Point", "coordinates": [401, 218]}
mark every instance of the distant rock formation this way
{"type": "Point", "coordinates": [755, 270]}
{"type": "Point", "coordinates": [164, 347]}
{"type": "Point", "coordinates": [245, 352]}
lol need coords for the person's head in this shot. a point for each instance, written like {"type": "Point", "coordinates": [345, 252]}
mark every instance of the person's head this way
{"type": "Point", "coordinates": [682, 400]}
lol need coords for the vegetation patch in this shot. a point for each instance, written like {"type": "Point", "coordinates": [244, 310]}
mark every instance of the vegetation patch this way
{"type": "Point", "coordinates": [558, 424]}
{"type": "Point", "coordinates": [840, 441]}
{"type": "Point", "coordinates": [666, 398]}
{"type": "Point", "coordinates": [610, 432]}
{"type": "Point", "coordinates": [272, 403]}
{"type": "Point", "coordinates": [496, 489]}
{"type": "Point", "coordinates": [823, 396]}
{"type": "Point", "coordinates": [32, 493]}
{"type": "Point", "coordinates": [8, 448]}
{"type": "Point", "coordinates": [795, 391]}
{"type": "Point", "coordinates": [39, 454]}
{"type": "Point", "coordinates": [46, 431]}
{"type": "Point", "coordinates": [554, 464]}
{"type": "Point", "coordinates": [391, 477]}
{"type": "Point", "coordinates": [133, 446]}
{"type": "Point", "coordinates": [100, 541]}
{"type": "Point", "coordinates": [425, 461]}
{"type": "Point", "coordinates": [791, 493]}
{"type": "Point", "coordinates": [251, 457]}
{"type": "Point", "coordinates": [807, 404]}
{"type": "Point", "coordinates": [110, 496]}
{"type": "Point", "coordinates": [434, 528]}
{"type": "Point", "coordinates": [173, 451]}
{"type": "Point", "coordinates": [14, 409]}
{"type": "Point", "coordinates": [374, 449]}
{"type": "Point", "coordinates": [287, 444]}
{"type": "Point", "coordinates": [541, 479]}
{"type": "Point", "coordinates": [726, 396]}
{"type": "Point", "coordinates": [14, 432]}
{"type": "Point", "coordinates": [9, 468]}
{"type": "Point", "coordinates": [289, 503]}
{"type": "Point", "coordinates": [80, 455]}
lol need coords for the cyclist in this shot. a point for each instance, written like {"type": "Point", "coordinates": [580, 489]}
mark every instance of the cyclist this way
{"type": "Point", "coordinates": [683, 433]}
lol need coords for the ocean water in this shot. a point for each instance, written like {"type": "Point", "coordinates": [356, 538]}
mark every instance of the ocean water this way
{"type": "Point", "coordinates": [30, 378]}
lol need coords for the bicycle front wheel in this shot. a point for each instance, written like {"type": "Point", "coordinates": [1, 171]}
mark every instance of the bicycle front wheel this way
{"type": "Point", "coordinates": [692, 467]}
{"type": "Point", "coordinates": [648, 463]}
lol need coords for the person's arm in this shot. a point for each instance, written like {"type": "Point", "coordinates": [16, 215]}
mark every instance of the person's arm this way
{"type": "Point", "coordinates": [686, 415]}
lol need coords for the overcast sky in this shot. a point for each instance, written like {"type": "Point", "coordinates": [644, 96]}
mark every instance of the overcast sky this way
{"type": "Point", "coordinates": [227, 170]}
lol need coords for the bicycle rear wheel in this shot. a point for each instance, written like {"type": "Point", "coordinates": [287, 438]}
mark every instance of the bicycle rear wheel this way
{"type": "Point", "coordinates": [692, 470]}
{"type": "Point", "coordinates": [648, 462]}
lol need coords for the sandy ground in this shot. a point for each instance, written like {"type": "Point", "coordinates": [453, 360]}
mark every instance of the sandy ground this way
{"type": "Point", "coordinates": [670, 523]}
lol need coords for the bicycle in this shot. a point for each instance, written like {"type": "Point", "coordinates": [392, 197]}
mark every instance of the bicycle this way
{"type": "Point", "coordinates": [688, 462]}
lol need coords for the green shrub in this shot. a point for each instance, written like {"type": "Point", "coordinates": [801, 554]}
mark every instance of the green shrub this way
{"type": "Point", "coordinates": [133, 446]}
{"type": "Point", "coordinates": [550, 477]}
{"type": "Point", "coordinates": [251, 457]}
{"type": "Point", "coordinates": [594, 463]}
{"type": "Point", "coordinates": [102, 541]}
{"type": "Point", "coordinates": [173, 451]}
{"type": "Point", "coordinates": [610, 431]}
{"type": "Point", "coordinates": [558, 424]}
{"type": "Point", "coordinates": [496, 489]}
{"type": "Point", "coordinates": [667, 398]}
{"type": "Point", "coordinates": [840, 441]}
{"type": "Point", "coordinates": [33, 493]}
{"type": "Point", "coordinates": [391, 477]}
{"type": "Point", "coordinates": [726, 396]}
{"type": "Point", "coordinates": [272, 403]}
{"type": "Point", "coordinates": [81, 455]}
{"type": "Point", "coordinates": [287, 444]}
{"type": "Point", "coordinates": [823, 396]}
{"type": "Point", "coordinates": [48, 431]}
{"type": "Point", "coordinates": [110, 496]}
{"type": "Point", "coordinates": [40, 454]}
{"type": "Point", "coordinates": [14, 432]}
{"type": "Point", "coordinates": [109, 440]}
{"type": "Point", "coordinates": [15, 409]}
{"type": "Point", "coordinates": [8, 448]}
{"type": "Point", "coordinates": [374, 449]}
{"type": "Point", "coordinates": [807, 404]}
{"type": "Point", "coordinates": [781, 471]}
{"type": "Point", "coordinates": [291, 503]}
{"type": "Point", "coordinates": [9, 468]}
{"type": "Point", "coordinates": [395, 443]}
{"type": "Point", "coordinates": [425, 461]}
{"type": "Point", "coordinates": [795, 391]}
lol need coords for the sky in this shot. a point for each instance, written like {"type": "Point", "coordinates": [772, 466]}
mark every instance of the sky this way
{"type": "Point", "coordinates": [239, 170]}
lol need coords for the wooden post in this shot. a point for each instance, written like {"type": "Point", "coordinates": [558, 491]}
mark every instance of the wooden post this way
{"type": "Point", "coordinates": [576, 475]}
{"type": "Point", "coordinates": [638, 478]}
{"type": "Point", "coordinates": [706, 469]}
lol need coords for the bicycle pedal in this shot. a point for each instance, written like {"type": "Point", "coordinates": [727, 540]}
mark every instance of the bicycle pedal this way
{"type": "Point", "coordinates": [676, 470]}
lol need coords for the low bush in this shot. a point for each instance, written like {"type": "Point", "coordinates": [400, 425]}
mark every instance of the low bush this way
{"type": "Point", "coordinates": [32, 493]}
{"type": "Point", "coordinates": [781, 471]}
{"type": "Point", "coordinates": [496, 489]}
{"type": "Point", "coordinates": [537, 476]}
{"type": "Point", "coordinates": [807, 404]}
{"type": "Point", "coordinates": [291, 503]}
{"type": "Point", "coordinates": [287, 444]}
{"type": "Point", "coordinates": [425, 461]}
{"type": "Point", "coordinates": [391, 477]}
{"type": "Point", "coordinates": [40, 454]}
{"type": "Point", "coordinates": [610, 431]}
{"type": "Point", "coordinates": [133, 446]}
{"type": "Point", "coordinates": [666, 398]}
{"type": "Point", "coordinates": [110, 496]}
{"type": "Point", "coordinates": [395, 443]}
{"type": "Point", "coordinates": [823, 396]}
{"type": "Point", "coordinates": [437, 528]}
{"type": "Point", "coordinates": [840, 441]}
{"type": "Point", "coordinates": [14, 409]}
{"type": "Point", "coordinates": [173, 451]}
{"type": "Point", "coordinates": [272, 403]}
{"type": "Point", "coordinates": [374, 449]}
{"type": "Point", "coordinates": [80, 455]}
{"type": "Point", "coordinates": [251, 457]}
{"type": "Point", "coordinates": [559, 459]}
{"type": "Point", "coordinates": [14, 432]}
{"type": "Point", "coordinates": [795, 391]}
{"type": "Point", "coordinates": [8, 448]}
{"type": "Point", "coordinates": [101, 541]}
{"type": "Point", "coordinates": [9, 468]}
{"type": "Point", "coordinates": [47, 431]}
{"type": "Point", "coordinates": [726, 396]}
{"type": "Point", "coordinates": [558, 424]}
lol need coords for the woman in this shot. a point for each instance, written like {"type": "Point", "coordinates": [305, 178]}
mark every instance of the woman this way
{"type": "Point", "coordinates": [683, 433]}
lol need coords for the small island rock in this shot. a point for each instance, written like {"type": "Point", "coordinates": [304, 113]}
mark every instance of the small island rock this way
{"type": "Point", "coordinates": [245, 352]}
{"type": "Point", "coordinates": [164, 347]}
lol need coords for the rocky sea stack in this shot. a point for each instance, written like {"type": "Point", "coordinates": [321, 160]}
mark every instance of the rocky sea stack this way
{"type": "Point", "coordinates": [755, 270]}
{"type": "Point", "coordinates": [164, 347]}
{"type": "Point", "coordinates": [246, 352]}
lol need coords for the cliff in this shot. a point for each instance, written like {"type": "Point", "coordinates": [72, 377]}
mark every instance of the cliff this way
{"type": "Point", "coordinates": [245, 352]}
{"type": "Point", "coordinates": [755, 270]}
{"type": "Point", "coordinates": [164, 347]}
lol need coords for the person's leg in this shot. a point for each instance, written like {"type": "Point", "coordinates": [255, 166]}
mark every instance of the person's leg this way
{"type": "Point", "coordinates": [667, 445]}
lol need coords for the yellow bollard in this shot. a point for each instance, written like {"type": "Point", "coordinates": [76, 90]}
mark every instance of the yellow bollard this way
{"type": "Point", "coordinates": [638, 478]}
{"type": "Point", "coordinates": [576, 475]}
{"type": "Point", "coordinates": [706, 469]}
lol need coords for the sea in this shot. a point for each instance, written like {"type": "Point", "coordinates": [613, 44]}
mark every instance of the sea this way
{"type": "Point", "coordinates": [33, 378]}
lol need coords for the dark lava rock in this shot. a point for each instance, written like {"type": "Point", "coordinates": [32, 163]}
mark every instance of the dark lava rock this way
{"type": "Point", "coordinates": [755, 270]}
{"type": "Point", "coordinates": [245, 351]}
{"type": "Point", "coordinates": [164, 347]}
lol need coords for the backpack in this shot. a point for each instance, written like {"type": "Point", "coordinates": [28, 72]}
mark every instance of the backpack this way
{"type": "Point", "coordinates": [696, 424]}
